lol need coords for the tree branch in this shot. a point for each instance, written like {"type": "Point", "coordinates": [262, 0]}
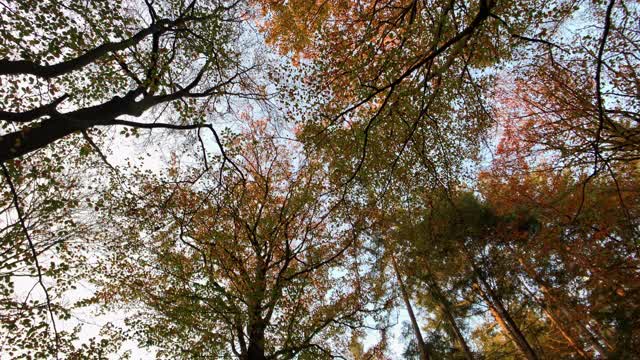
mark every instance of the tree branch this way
{"type": "Point", "coordinates": [14, 67]}
{"type": "Point", "coordinates": [30, 115]}
{"type": "Point", "coordinates": [33, 253]}
{"type": "Point", "coordinates": [86, 136]}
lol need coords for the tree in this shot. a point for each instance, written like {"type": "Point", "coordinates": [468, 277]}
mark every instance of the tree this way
{"type": "Point", "coordinates": [71, 66]}
{"type": "Point", "coordinates": [268, 248]}
{"type": "Point", "coordinates": [450, 243]}
{"type": "Point", "coordinates": [408, 82]}
{"type": "Point", "coordinates": [249, 264]}
{"type": "Point", "coordinates": [44, 244]}
{"type": "Point", "coordinates": [575, 247]}
{"type": "Point", "coordinates": [577, 100]}
{"type": "Point", "coordinates": [422, 346]}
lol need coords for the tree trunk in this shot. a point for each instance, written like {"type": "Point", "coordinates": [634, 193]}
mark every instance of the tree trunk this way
{"type": "Point", "coordinates": [445, 307]}
{"type": "Point", "coordinates": [446, 311]}
{"type": "Point", "coordinates": [422, 346]}
{"type": "Point", "coordinates": [499, 311]}
{"type": "Point", "coordinates": [564, 327]}
{"type": "Point", "coordinates": [468, 354]}
{"type": "Point", "coordinates": [256, 321]}
{"type": "Point", "coordinates": [503, 318]}
{"type": "Point", "coordinates": [255, 351]}
{"type": "Point", "coordinates": [575, 344]}
{"type": "Point", "coordinates": [595, 342]}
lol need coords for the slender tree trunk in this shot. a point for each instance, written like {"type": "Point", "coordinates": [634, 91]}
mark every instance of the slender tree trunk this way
{"type": "Point", "coordinates": [595, 342]}
{"type": "Point", "coordinates": [507, 324]}
{"type": "Point", "coordinates": [445, 307]}
{"type": "Point", "coordinates": [456, 330]}
{"type": "Point", "coordinates": [604, 339]}
{"type": "Point", "coordinates": [575, 344]}
{"type": "Point", "coordinates": [547, 291]}
{"type": "Point", "coordinates": [499, 311]}
{"type": "Point", "coordinates": [564, 327]}
{"type": "Point", "coordinates": [446, 311]}
{"type": "Point", "coordinates": [496, 315]}
{"type": "Point", "coordinates": [422, 346]}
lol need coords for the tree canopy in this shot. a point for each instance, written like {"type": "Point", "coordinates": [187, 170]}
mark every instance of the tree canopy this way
{"type": "Point", "coordinates": [265, 179]}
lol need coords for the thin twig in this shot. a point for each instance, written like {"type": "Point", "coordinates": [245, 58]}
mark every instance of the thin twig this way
{"type": "Point", "coordinates": [33, 253]}
{"type": "Point", "coordinates": [86, 136]}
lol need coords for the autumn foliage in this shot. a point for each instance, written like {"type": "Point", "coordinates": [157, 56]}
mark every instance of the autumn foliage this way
{"type": "Point", "coordinates": [320, 179]}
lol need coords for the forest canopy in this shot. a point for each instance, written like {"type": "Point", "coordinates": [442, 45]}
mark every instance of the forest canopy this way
{"type": "Point", "coordinates": [270, 179]}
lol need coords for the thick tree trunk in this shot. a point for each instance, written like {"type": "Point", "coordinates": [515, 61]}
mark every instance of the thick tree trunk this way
{"type": "Point", "coordinates": [19, 143]}
{"type": "Point", "coordinates": [422, 346]}
{"type": "Point", "coordinates": [257, 323]}
{"type": "Point", "coordinates": [255, 350]}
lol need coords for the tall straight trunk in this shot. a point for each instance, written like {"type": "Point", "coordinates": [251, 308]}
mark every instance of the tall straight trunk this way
{"type": "Point", "coordinates": [445, 307]}
{"type": "Point", "coordinates": [564, 327]}
{"type": "Point", "coordinates": [499, 311]}
{"type": "Point", "coordinates": [422, 346]}
{"type": "Point", "coordinates": [255, 333]}
{"type": "Point", "coordinates": [575, 344]}
{"type": "Point", "coordinates": [496, 315]}
{"type": "Point", "coordinates": [595, 342]}
{"type": "Point", "coordinates": [504, 319]}
{"type": "Point", "coordinates": [456, 330]}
